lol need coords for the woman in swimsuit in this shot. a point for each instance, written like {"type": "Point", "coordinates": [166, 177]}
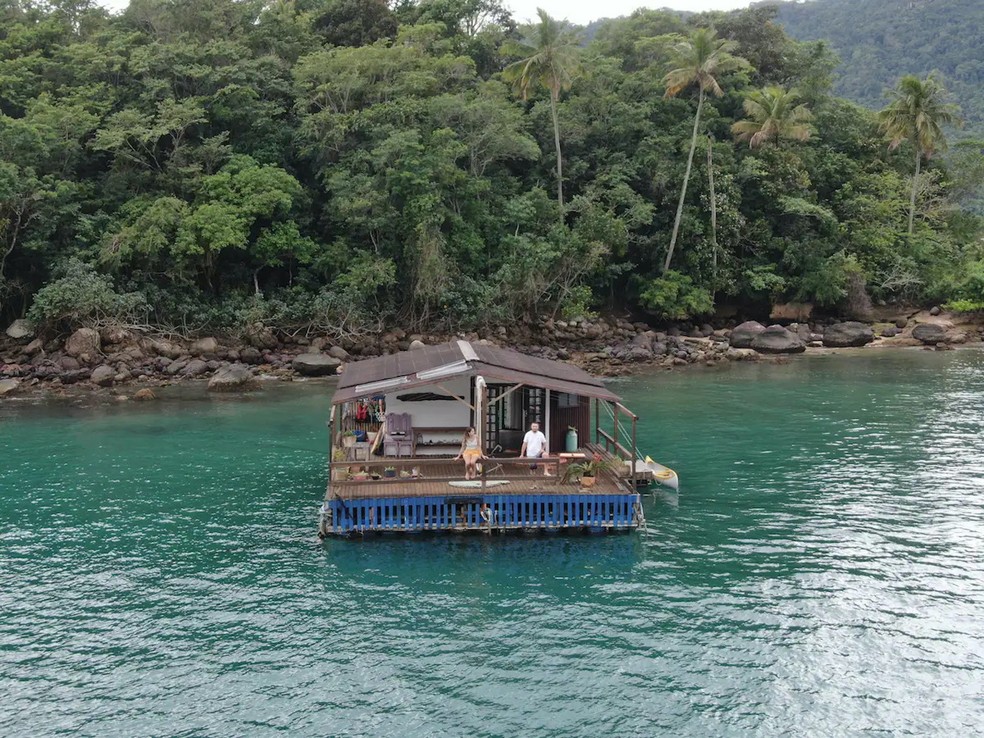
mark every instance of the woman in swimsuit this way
{"type": "Point", "coordinates": [471, 453]}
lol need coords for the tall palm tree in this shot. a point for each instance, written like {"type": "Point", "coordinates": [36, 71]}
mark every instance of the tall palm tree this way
{"type": "Point", "coordinates": [551, 61]}
{"type": "Point", "coordinates": [698, 59]}
{"type": "Point", "coordinates": [773, 115]}
{"type": "Point", "coordinates": [917, 114]}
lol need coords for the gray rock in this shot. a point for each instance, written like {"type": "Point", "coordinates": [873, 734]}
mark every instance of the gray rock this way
{"type": "Point", "coordinates": [20, 328]}
{"type": "Point", "coordinates": [339, 353]}
{"type": "Point", "coordinates": [890, 332]}
{"type": "Point", "coordinates": [194, 368]}
{"type": "Point", "coordinates": [34, 347]}
{"type": "Point", "coordinates": [175, 366]}
{"type": "Point", "coordinates": [850, 333]}
{"type": "Point", "coordinates": [103, 375]}
{"type": "Point", "coordinates": [206, 345]}
{"type": "Point", "coordinates": [8, 385]}
{"type": "Point", "coordinates": [68, 364]}
{"type": "Point", "coordinates": [638, 353]}
{"type": "Point", "coordinates": [742, 335]}
{"type": "Point", "coordinates": [262, 337]}
{"type": "Point", "coordinates": [901, 322]}
{"type": "Point", "coordinates": [417, 344]}
{"type": "Point", "coordinates": [84, 342]}
{"type": "Point", "coordinates": [929, 333]}
{"type": "Point", "coordinates": [251, 355]}
{"type": "Point", "coordinates": [316, 365]}
{"type": "Point", "coordinates": [231, 378]}
{"type": "Point", "coordinates": [163, 348]}
{"type": "Point", "coordinates": [777, 340]}
{"type": "Point", "coordinates": [112, 335]}
{"type": "Point", "coordinates": [935, 310]}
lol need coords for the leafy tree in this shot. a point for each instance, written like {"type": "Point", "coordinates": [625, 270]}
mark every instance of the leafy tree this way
{"type": "Point", "coordinates": [551, 61]}
{"type": "Point", "coordinates": [773, 115]}
{"type": "Point", "coordinates": [699, 59]}
{"type": "Point", "coordinates": [917, 114]}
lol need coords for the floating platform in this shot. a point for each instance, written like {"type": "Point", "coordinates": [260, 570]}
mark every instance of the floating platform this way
{"type": "Point", "coordinates": [489, 513]}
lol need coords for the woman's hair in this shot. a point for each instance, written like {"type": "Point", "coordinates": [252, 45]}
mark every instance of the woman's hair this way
{"type": "Point", "coordinates": [469, 431]}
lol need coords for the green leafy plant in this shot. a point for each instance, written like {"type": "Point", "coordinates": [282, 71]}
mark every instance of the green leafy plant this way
{"type": "Point", "coordinates": [676, 297]}
{"type": "Point", "coordinates": [593, 467]}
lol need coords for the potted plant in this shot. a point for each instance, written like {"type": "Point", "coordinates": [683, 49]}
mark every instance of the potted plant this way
{"type": "Point", "coordinates": [348, 438]}
{"type": "Point", "coordinates": [338, 471]}
{"type": "Point", "coordinates": [587, 471]}
{"type": "Point", "coordinates": [390, 472]}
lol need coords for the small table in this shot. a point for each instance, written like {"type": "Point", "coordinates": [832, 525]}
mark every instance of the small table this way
{"type": "Point", "coordinates": [568, 457]}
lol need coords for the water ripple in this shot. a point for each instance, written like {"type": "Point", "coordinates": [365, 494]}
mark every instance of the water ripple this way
{"type": "Point", "coordinates": [821, 573]}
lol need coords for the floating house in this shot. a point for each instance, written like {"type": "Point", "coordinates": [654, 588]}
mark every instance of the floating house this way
{"type": "Point", "coordinates": [397, 423]}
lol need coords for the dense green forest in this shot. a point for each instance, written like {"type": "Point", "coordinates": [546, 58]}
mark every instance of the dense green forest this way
{"type": "Point", "coordinates": [340, 165]}
{"type": "Point", "coordinates": [881, 40]}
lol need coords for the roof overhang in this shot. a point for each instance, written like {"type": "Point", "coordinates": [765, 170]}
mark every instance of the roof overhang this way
{"type": "Point", "coordinates": [460, 359]}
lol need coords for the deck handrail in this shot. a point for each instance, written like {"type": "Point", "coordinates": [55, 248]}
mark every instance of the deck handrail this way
{"type": "Point", "coordinates": [618, 446]}
{"type": "Point", "coordinates": [490, 464]}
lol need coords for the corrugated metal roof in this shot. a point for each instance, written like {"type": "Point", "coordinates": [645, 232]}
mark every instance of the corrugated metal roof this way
{"type": "Point", "coordinates": [459, 358]}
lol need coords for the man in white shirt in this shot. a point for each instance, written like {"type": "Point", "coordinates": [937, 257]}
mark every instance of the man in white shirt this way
{"type": "Point", "coordinates": [535, 446]}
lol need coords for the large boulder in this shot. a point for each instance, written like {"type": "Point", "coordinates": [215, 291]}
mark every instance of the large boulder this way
{"type": "Point", "coordinates": [175, 366]}
{"type": "Point", "coordinates": [162, 347]}
{"type": "Point", "coordinates": [103, 375]}
{"type": "Point", "coordinates": [206, 345]}
{"type": "Point", "coordinates": [251, 355]}
{"type": "Point", "coordinates": [742, 335]}
{"type": "Point", "coordinates": [84, 342]}
{"type": "Point", "coordinates": [34, 347]}
{"type": "Point", "coordinates": [777, 340]}
{"type": "Point", "coordinates": [20, 328]}
{"type": "Point", "coordinates": [231, 378]}
{"type": "Point", "coordinates": [850, 333]}
{"type": "Point", "coordinates": [8, 385]}
{"type": "Point", "coordinates": [316, 365]}
{"type": "Point", "coordinates": [339, 353]}
{"type": "Point", "coordinates": [194, 368]}
{"type": "Point", "coordinates": [261, 337]}
{"type": "Point", "coordinates": [113, 335]}
{"type": "Point", "coordinates": [929, 333]}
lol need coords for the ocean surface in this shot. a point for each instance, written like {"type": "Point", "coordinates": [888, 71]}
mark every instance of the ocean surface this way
{"type": "Point", "coordinates": [820, 573]}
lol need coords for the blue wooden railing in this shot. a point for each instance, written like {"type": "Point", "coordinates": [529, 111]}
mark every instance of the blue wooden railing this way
{"type": "Point", "coordinates": [500, 512]}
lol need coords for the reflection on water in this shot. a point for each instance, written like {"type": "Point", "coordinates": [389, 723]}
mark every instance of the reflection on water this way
{"type": "Point", "coordinates": [820, 573]}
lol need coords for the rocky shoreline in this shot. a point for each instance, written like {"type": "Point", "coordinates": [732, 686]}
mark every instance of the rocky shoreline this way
{"type": "Point", "coordinates": [116, 358]}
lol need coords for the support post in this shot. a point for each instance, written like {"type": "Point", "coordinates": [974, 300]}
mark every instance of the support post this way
{"type": "Point", "coordinates": [615, 431]}
{"type": "Point", "coordinates": [546, 416]}
{"type": "Point", "coordinates": [635, 451]}
{"type": "Point", "coordinates": [597, 420]}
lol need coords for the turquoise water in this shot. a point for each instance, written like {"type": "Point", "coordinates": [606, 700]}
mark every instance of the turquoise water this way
{"type": "Point", "coordinates": [820, 573]}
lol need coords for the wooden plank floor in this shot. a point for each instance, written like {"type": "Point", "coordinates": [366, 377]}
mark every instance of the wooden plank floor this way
{"type": "Point", "coordinates": [435, 484]}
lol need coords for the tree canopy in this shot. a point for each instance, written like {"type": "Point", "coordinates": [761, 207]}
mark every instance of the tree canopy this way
{"type": "Point", "coordinates": [339, 166]}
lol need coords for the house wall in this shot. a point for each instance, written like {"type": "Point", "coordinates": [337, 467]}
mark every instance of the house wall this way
{"type": "Point", "coordinates": [435, 413]}
{"type": "Point", "coordinates": [562, 418]}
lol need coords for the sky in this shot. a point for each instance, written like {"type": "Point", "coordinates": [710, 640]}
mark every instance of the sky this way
{"type": "Point", "coordinates": [585, 11]}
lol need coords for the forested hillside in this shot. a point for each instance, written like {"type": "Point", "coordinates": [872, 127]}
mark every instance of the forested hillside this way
{"type": "Point", "coordinates": [881, 40]}
{"type": "Point", "coordinates": [338, 165]}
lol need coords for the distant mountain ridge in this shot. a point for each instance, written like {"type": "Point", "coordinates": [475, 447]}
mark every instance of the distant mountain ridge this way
{"type": "Point", "coordinates": [881, 40]}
